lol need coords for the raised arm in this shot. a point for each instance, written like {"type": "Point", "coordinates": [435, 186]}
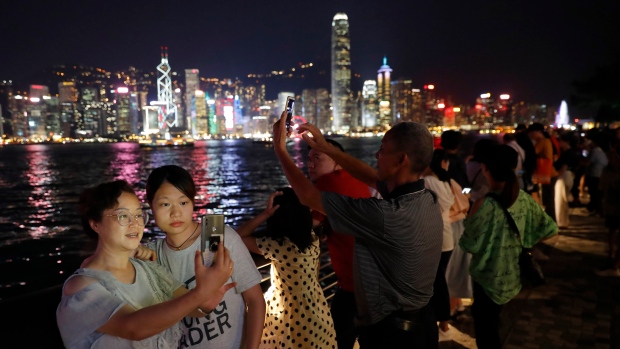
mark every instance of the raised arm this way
{"type": "Point", "coordinates": [245, 231]}
{"type": "Point", "coordinates": [306, 192]}
{"type": "Point", "coordinates": [357, 168]}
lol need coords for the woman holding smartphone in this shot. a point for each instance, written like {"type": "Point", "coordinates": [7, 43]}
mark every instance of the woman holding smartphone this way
{"type": "Point", "coordinates": [115, 301]}
{"type": "Point", "coordinates": [170, 191]}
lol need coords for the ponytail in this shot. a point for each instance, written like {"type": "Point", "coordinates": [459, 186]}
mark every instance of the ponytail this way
{"type": "Point", "coordinates": [511, 190]}
{"type": "Point", "coordinates": [501, 163]}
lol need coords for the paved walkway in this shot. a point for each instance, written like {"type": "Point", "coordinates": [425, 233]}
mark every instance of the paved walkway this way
{"type": "Point", "coordinates": [575, 309]}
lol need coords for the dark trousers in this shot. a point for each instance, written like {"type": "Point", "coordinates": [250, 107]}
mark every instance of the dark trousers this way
{"type": "Point", "coordinates": [343, 310]}
{"type": "Point", "coordinates": [548, 197]}
{"type": "Point", "coordinates": [486, 315]}
{"type": "Point", "coordinates": [440, 301]}
{"type": "Point", "coordinates": [596, 202]}
{"type": "Point", "coordinates": [423, 334]}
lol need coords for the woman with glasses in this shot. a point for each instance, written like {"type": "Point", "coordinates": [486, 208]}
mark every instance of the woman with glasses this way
{"type": "Point", "coordinates": [115, 301]}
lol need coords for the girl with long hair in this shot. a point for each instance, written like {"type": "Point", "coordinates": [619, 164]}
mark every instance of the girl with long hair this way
{"type": "Point", "coordinates": [297, 312]}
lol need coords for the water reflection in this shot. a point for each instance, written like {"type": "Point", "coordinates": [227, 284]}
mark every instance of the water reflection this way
{"type": "Point", "coordinates": [127, 162]}
{"type": "Point", "coordinates": [41, 195]}
{"type": "Point", "coordinates": [41, 239]}
{"type": "Point", "coordinates": [200, 174]}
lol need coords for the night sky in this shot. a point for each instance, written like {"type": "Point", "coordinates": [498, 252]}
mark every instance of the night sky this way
{"type": "Point", "coordinates": [533, 50]}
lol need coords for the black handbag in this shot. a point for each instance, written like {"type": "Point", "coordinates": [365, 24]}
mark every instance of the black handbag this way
{"type": "Point", "coordinates": [531, 273]}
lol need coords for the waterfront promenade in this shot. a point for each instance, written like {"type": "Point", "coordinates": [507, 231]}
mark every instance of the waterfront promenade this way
{"type": "Point", "coordinates": [575, 309]}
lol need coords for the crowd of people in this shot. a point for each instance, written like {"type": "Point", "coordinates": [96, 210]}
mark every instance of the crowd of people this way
{"type": "Point", "coordinates": [409, 239]}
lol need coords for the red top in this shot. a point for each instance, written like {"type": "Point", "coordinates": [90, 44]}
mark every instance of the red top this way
{"type": "Point", "coordinates": [340, 246]}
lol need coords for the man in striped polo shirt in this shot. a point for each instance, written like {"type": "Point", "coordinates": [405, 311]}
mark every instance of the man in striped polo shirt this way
{"type": "Point", "coordinates": [397, 239]}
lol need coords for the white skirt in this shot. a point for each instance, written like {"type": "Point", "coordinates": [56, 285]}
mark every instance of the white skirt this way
{"type": "Point", "coordinates": [457, 272]}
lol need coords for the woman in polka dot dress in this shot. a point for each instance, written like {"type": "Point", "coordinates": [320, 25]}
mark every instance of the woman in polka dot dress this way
{"type": "Point", "coordinates": [297, 313]}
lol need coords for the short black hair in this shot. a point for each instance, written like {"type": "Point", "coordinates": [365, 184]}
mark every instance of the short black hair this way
{"type": "Point", "coordinates": [450, 139]}
{"type": "Point", "coordinates": [521, 127]}
{"type": "Point", "coordinates": [415, 140]}
{"type": "Point", "coordinates": [536, 127]}
{"type": "Point", "coordinates": [93, 201]}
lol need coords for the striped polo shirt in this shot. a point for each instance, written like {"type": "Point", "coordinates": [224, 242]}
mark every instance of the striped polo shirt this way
{"type": "Point", "coordinates": [397, 247]}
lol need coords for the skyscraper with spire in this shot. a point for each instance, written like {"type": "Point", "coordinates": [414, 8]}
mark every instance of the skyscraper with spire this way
{"type": "Point", "coordinates": [384, 94]}
{"type": "Point", "coordinates": [341, 72]}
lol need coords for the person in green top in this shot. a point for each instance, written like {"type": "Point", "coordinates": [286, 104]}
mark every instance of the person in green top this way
{"type": "Point", "coordinates": [495, 247]}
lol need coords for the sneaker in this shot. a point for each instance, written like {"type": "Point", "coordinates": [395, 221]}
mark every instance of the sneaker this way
{"type": "Point", "coordinates": [445, 336]}
{"type": "Point", "coordinates": [604, 272]}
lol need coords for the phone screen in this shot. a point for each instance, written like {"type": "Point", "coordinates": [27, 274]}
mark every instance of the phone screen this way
{"type": "Point", "coordinates": [466, 190]}
{"type": "Point", "coordinates": [290, 102]}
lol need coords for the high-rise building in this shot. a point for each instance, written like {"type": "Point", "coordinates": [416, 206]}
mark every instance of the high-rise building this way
{"type": "Point", "coordinates": [67, 93]}
{"type": "Point", "coordinates": [123, 112]}
{"type": "Point", "coordinates": [192, 84]}
{"type": "Point", "coordinates": [308, 105]}
{"type": "Point", "coordinates": [341, 72]}
{"type": "Point", "coordinates": [402, 103]}
{"type": "Point", "coordinates": [69, 115]}
{"type": "Point", "coordinates": [167, 107]}
{"type": "Point", "coordinates": [369, 104]}
{"type": "Point", "coordinates": [38, 91]}
{"type": "Point", "coordinates": [323, 109]}
{"type": "Point", "coordinates": [201, 125]}
{"type": "Point", "coordinates": [384, 93]}
{"type": "Point", "coordinates": [92, 122]}
{"type": "Point", "coordinates": [383, 81]}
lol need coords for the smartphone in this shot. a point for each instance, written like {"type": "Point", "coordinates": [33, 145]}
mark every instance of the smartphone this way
{"type": "Point", "coordinates": [290, 102]}
{"type": "Point", "coordinates": [212, 232]}
{"type": "Point", "coordinates": [466, 190]}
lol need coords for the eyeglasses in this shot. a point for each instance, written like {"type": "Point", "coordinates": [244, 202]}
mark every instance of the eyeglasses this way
{"type": "Point", "coordinates": [125, 218]}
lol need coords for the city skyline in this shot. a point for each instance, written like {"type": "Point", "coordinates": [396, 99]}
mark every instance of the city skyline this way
{"type": "Point", "coordinates": [533, 51]}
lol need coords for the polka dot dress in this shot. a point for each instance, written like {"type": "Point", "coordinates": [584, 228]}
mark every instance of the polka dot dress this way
{"type": "Point", "coordinates": [297, 313]}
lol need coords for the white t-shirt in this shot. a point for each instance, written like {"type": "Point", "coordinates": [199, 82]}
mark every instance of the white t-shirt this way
{"type": "Point", "coordinates": [521, 155]}
{"type": "Point", "coordinates": [446, 200]}
{"type": "Point", "coordinates": [224, 327]}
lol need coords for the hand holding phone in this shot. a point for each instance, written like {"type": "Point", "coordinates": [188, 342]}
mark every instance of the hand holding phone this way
{"type": "Point", "coordinates": [290, 103]}
{"type": "Point", "coordinates": [212, 232]}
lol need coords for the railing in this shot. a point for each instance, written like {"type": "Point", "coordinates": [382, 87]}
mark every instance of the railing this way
{"type": "Point", "coordinates": [326, 275]}
{"type": "Point", "coordinates": [42, 305]}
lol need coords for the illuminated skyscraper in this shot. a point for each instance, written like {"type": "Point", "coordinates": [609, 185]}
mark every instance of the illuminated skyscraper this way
{"type": "Point", "coordinates": [369, 104]}
{"type": "Point", "coordinates": [383, 93]}
{"type": "Point", "coordinates": [383, 81]}
{"type": "Point", "coordinates": [167, 108]}
{"type": "Point", "coordinates": [308, 102]}
{"type": "Point", "coordinates": [402, 102]}
{"type": "Point", "coordinates": [322, 108]}
{"type": "Point", "coordinates": [192, 84]}
{"type": "Point", "coordinates": [341, 72]}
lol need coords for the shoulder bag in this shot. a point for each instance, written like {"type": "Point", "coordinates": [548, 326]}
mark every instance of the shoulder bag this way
{"type": "Point", "coordinates": [531, 273]}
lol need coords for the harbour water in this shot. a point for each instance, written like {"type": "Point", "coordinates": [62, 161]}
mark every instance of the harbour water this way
{"type": "Point", "coordinates": [41, 240]}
